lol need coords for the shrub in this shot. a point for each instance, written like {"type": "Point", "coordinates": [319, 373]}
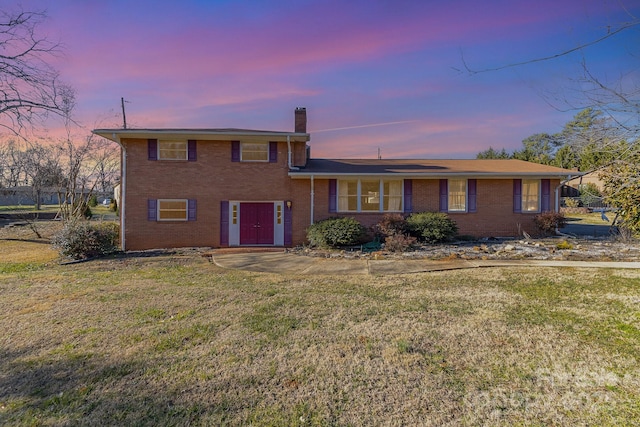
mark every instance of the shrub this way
{"type": "Point", "coordinates": [334, 232]}
{"type": "Point", "coordinates": [390, 225]}
{"type": "Point", "coordinates": [547, 222]}
{"type": "Point", "coordinates": [571, 202]}
{"type": "Point", "coordinates": [564, 245]}
{"type": "Point", "coordinates": [93, 201]}
{"type": "Point", "coordinates": [82, 239]}
{"type": "Point", "coordinates": [399, 242]}
{"type": "Point", "coordinates": [589, 193]}
{"type": "Point", "coordinates": [113, 206]}
{"type": "Point", "coordinates": [432, 227]}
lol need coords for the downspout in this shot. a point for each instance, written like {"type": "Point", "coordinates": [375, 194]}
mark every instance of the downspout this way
{"type": "Point", "coordinates": [312, 198]}
{"type": "Point", "coordinates": [290, 155]}
{"type": "Point", "coordinates": [123, 191]}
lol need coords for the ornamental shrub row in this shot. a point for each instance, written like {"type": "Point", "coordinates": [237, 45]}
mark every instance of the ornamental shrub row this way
{"type": "Point", "coordinates": [397, 232]}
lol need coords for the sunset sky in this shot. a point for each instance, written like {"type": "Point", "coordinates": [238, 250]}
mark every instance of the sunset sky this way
{"type": "Point", "coordinates": [372, 74]}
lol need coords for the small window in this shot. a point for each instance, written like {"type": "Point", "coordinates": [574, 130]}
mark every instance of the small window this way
{"type": "Point", "coordinates": [172, 210]}
{"type": "Point", "coordinates": [172, 150]}
{"type": "Point", "coordinates": [279, 214]}
{"type": "Point", "coordinates": [457, 195]}
{"type": "Point", "coordinates": [530, 195]}
{"type": "Point", "coordinates": [234, 214]}
{"type": "Point", "coordinates": [254, 152]}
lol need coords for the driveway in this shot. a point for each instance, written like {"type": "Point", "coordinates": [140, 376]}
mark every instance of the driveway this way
{"type": "Point", "coordinates": [586, 230]}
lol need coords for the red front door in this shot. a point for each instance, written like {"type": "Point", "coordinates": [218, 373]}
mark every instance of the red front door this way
{"type": "Point", "coordinates": [256, 223]}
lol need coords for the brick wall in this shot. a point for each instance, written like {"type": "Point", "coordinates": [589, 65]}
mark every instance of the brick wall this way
{"type": "Point", "coordinates": [494, 216]}
{"type": "Point", "coordinates": [210, 180]}
{"type": "Point", "coordinates": [214, 178]}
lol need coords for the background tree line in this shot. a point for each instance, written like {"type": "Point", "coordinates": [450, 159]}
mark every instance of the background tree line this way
{"type": "Point", "coordinates": [588, 142]}
{"type": "Point", "coordinates": [74, 165]}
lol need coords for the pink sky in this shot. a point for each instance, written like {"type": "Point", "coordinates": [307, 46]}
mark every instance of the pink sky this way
{"type": "Point", "coordinates": [395, 65]}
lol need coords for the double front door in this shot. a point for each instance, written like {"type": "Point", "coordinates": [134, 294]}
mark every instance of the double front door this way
{"type": "Point", "coordinates": [256, 223]}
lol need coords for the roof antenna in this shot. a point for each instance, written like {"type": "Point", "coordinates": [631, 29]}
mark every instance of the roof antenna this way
{"type": "Point", "coordinates": [379, 155]}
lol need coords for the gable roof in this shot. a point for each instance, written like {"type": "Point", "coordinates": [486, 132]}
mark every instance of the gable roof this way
{"type": "Point", "coordinates": [504, 168]}
{"type": "Point", "coordinates": [210, 134]}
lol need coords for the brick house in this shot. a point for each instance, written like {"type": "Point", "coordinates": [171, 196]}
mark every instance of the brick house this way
{"type": "Point", "coordinates": [235, 187]}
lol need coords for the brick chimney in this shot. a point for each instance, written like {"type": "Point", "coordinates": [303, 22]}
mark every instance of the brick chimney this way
{"type": "Point", "coordinates": [301, 120]}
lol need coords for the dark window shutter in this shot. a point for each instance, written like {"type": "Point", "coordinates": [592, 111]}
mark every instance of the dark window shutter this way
{"type": "Point", "coordinates": [152, 146]}
{"type": "Point", "coordinates": [273, 152]}
{"type": "Point", "coordinates": [408, 196]}
{"type": "Point", "coordinates": [444, 195]}
{"type": "Point", "coordinates": [545, 203]}
{"type": "Point", "coordinates": [471, 196]}
{"type": "Point", "coordinates": [224, 223]}
{"type": "Point", "coordinates": [152, 210]}
{"type": "Point", "coordinates": [288, 226]}
{"type": "Point", "coordinates": [191, 210]}
{"type": "Point", "coordinates": [333, 195]}
{"type": "Point", "coordinates": [517, 195]}
{"type": "Point", "coordinates": [191, 150]}
{"type": "Point", "coordinates": [235, 151]}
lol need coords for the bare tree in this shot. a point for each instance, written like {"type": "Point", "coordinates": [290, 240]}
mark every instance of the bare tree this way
{"type": "Point", "coordinates": [11, 168]}
{"type": "Point", "coordinates": [29, 87]}
{"type": "Point", "coordinates": [611, 142]}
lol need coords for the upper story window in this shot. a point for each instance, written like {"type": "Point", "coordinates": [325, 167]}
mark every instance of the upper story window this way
{"type": "Point", "coordinates": [254, 152]}
{"type": "Point", "coordinates": [361, 195]}
{"type": "Point", "coordinates": [530, 195]}
{"type": "Point", "coordinates": [172, 150]}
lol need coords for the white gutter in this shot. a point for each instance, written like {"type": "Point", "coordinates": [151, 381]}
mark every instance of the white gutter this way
{"type": "Point", "coordinates": [123, 191]}
{"type": "Point", "coordinates": [290, 156]}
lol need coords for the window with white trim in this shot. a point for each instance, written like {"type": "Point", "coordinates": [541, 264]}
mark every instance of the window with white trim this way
{"type": "Point", "coordinates": [254, 152]}
{"type": "Point", "coordinates": [530, 195]}
{"type": "Point", "coordinates": [172, 209]}
{"type": "Point", "coordinates": [369, 195]}
{"type": "Point", "coordinates": [457, 201]}
{"type": "Point", "coordinates": [172, 150]}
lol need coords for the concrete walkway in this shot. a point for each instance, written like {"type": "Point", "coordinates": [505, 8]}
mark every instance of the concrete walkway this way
{"type": "Point", "coordinates": [281, 262]}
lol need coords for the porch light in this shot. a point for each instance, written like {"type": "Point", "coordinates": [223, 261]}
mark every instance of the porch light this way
{"type": "Point", "coordinates": [288, 204]}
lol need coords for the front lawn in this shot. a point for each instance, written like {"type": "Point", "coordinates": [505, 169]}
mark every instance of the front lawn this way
{"type": "Point", "coordinates": [171, 339]}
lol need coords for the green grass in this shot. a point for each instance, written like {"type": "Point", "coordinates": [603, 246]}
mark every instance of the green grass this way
{"type": "Point", "coordinates": [28, 208]}
{"type": "Point", "coordinates": [594, 218]}
{"type": "Point", "coordinates": [175, 340]}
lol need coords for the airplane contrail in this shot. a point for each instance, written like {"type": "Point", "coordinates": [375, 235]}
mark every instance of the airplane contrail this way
{"type": "Point", "coordinates": [365, 126]}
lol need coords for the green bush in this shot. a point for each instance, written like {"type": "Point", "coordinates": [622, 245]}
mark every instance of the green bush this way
{"type": "Point", "coordinates": [431, 227]}
{"type": "Point", "coordinates": [113, 206]}
{"type": "Point", "coordinates": [93, 201]}
{"type": "Point", "coordinates": [589, 193]}
{"type": "Point", "coordinates": [83, 239]}
{"type": "Point", "coordinates": [547, 222]}
{"type": "Point", "coordinates": [334, 232]}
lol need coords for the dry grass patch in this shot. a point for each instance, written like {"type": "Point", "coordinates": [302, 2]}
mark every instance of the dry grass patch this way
{"type": "Point", "coordinates": [175, 340]}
